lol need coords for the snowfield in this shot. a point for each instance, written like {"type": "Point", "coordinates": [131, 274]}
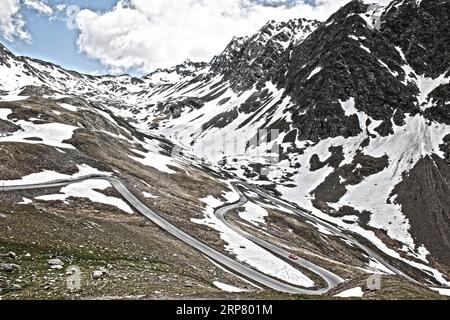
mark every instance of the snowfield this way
{"type": "Point", "coordinates": [51, 134]}
{"type": "Point", "coordinates": [405, 148]}
{"type": "Point", "coordinates": [248, 252]}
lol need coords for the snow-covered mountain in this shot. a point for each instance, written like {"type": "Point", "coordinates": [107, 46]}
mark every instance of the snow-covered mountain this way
{"type": "Point", "coordinates": [348, 118]}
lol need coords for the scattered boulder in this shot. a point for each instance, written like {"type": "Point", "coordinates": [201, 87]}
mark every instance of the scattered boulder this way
{"type": "Point", "coordinates": [7, 127]}
{"type": "Point", "coordinates": [56, 264]}
{"type": "Point", "coordinates": [176, 107]}
{"type": "Point", "coordinates": [4, 283]}
{"type": "Point", "coordinates": [11, 255]}
{"type": "Point", "coordinates": [9, 267]}
{"type": "Point", "coordinates": [99, 274]}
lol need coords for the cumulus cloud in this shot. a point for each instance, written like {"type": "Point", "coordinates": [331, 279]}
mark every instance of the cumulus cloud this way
{"type": "Point", "coordinates": [141, 34]}
{"type": "Point", "coordinates": [11, 23]}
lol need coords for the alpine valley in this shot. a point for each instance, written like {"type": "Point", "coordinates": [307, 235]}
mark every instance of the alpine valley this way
{"type": "Point", "coordinates": [309, 159]}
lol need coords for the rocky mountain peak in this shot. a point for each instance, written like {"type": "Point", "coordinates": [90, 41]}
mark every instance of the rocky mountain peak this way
{"type": "Point", "coordinates": [246, 59]}
{"type": "Point", "coordinates": [4, 53]}
{"type": "Point", "coordinates": [382, 56]}
{"type": "Point", "coordinates": [169, 75]}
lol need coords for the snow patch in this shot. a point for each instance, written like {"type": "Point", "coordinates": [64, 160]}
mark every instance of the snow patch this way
{"type": "Point", "coordinates": [52, 134]}
{"type": "Point", "coordinates": [4, 113]}
{"type": "Point", "coordinates": [49, 176]}
{"type": "Point", "coordinates": [322, 229]}
{"type": "Point", "coordinates": [349, 107]}
{"type": "Point", "coordinates": [365, 48]}
{"type": "Point", "coordinates": [148, 195]}
{"type": "Point", "coordinates": [351, 293]}
{"type": "Point", "coordinates": [227, 287]}
{"type": "Point", "coordinates": [155, 160]}
{"type": "Point", "coordinates": [442, 291]}
{"type": "Point", "coordinates": [314, 72]}
{"type": "Point", "coordinates": [427, 86]}
{"type": "Point", "coordinates": [254, 214]}
{"type": "Point", "coordinates": [26, 201]}
{"type": "Point", "coordinates": [87, 189]}
{"type": "Point", "coordinates": [68, 107]}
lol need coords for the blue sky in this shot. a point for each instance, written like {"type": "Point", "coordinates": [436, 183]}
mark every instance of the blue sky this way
{"type": "Point", "coordinates": [148, 34]}
{"type": "Point", "coordinates": [53, 41]}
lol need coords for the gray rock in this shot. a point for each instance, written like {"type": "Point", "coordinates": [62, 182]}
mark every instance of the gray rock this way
{"type": "Point", "coordinates": [9, 267]}
{"type": "Point", "coordinates": [56, 264]}
{"type": "Point", "coordinates": [4, 283]}
{"type": "Point", "coordinates": [12, 255]}
{"type": "Point", "coordinates": [36, 91]}
{"type": "Point", "coordinates": [56, 267]}
{"type": "Point", "coordinates": [99, 274]}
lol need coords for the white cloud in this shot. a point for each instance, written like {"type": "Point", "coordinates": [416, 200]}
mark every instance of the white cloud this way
{"type": "Point", "coordinates": [61, 7]}
{"type": "Point", "coordinates": [141, 34]}
{"type": "Point", "coordinates": [11, 23]}
{"type": "Point", "coordinates": [144, 35]}
{"type": "Point", "coordinates": [39, 6]}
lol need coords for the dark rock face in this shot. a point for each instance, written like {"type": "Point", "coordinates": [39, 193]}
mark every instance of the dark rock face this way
{"type": "Point", "coordinates": [356, 53]}
{"type": "Point", "coordinates": [360, 53]}
{"type": "Point", "coordinates": [325, 121]}
{"type": "Point", "coordinates": [221, 120]}
{"type": "Point", "coordinates": [422, 31]}
{"type": "Point", "coordinates": [245, 61]}
{"type": "Point", "coordinates": [76, 101]}
{"type": "Point", "coordinates": [440, 111]}
{"type": "Point", "coordinates": [333, 161]}
{"type": "Point", "coordinates": [255, 102]}
{"type": "Point", "coordinates": [4, 283]}
{"type": "Point", "coordinates": [175, 108]}
{"type": "Point", "coordinates": [36, 91]}
{"type": "Point", "coordinates": [446, 149]}
{"type": "Point", "coordinates": [424, 196]}
{"type": "Point", "coordinates": [7, 127]}
{"type": "Point", "coordinates": [4, 53]}
{"type": "Point", "coordinates": [346, 70]}
{"type": "Point", "coordinates": [186, 69]}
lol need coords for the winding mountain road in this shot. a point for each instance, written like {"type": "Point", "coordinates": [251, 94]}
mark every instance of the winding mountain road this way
{"type": "Point", "coordinates": [336, 231]}
{"type": "Point", "coordinates": [331, 279]}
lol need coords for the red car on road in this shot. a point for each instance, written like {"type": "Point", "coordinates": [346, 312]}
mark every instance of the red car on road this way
{"type": "Point", "coordinates": [293, 257]}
